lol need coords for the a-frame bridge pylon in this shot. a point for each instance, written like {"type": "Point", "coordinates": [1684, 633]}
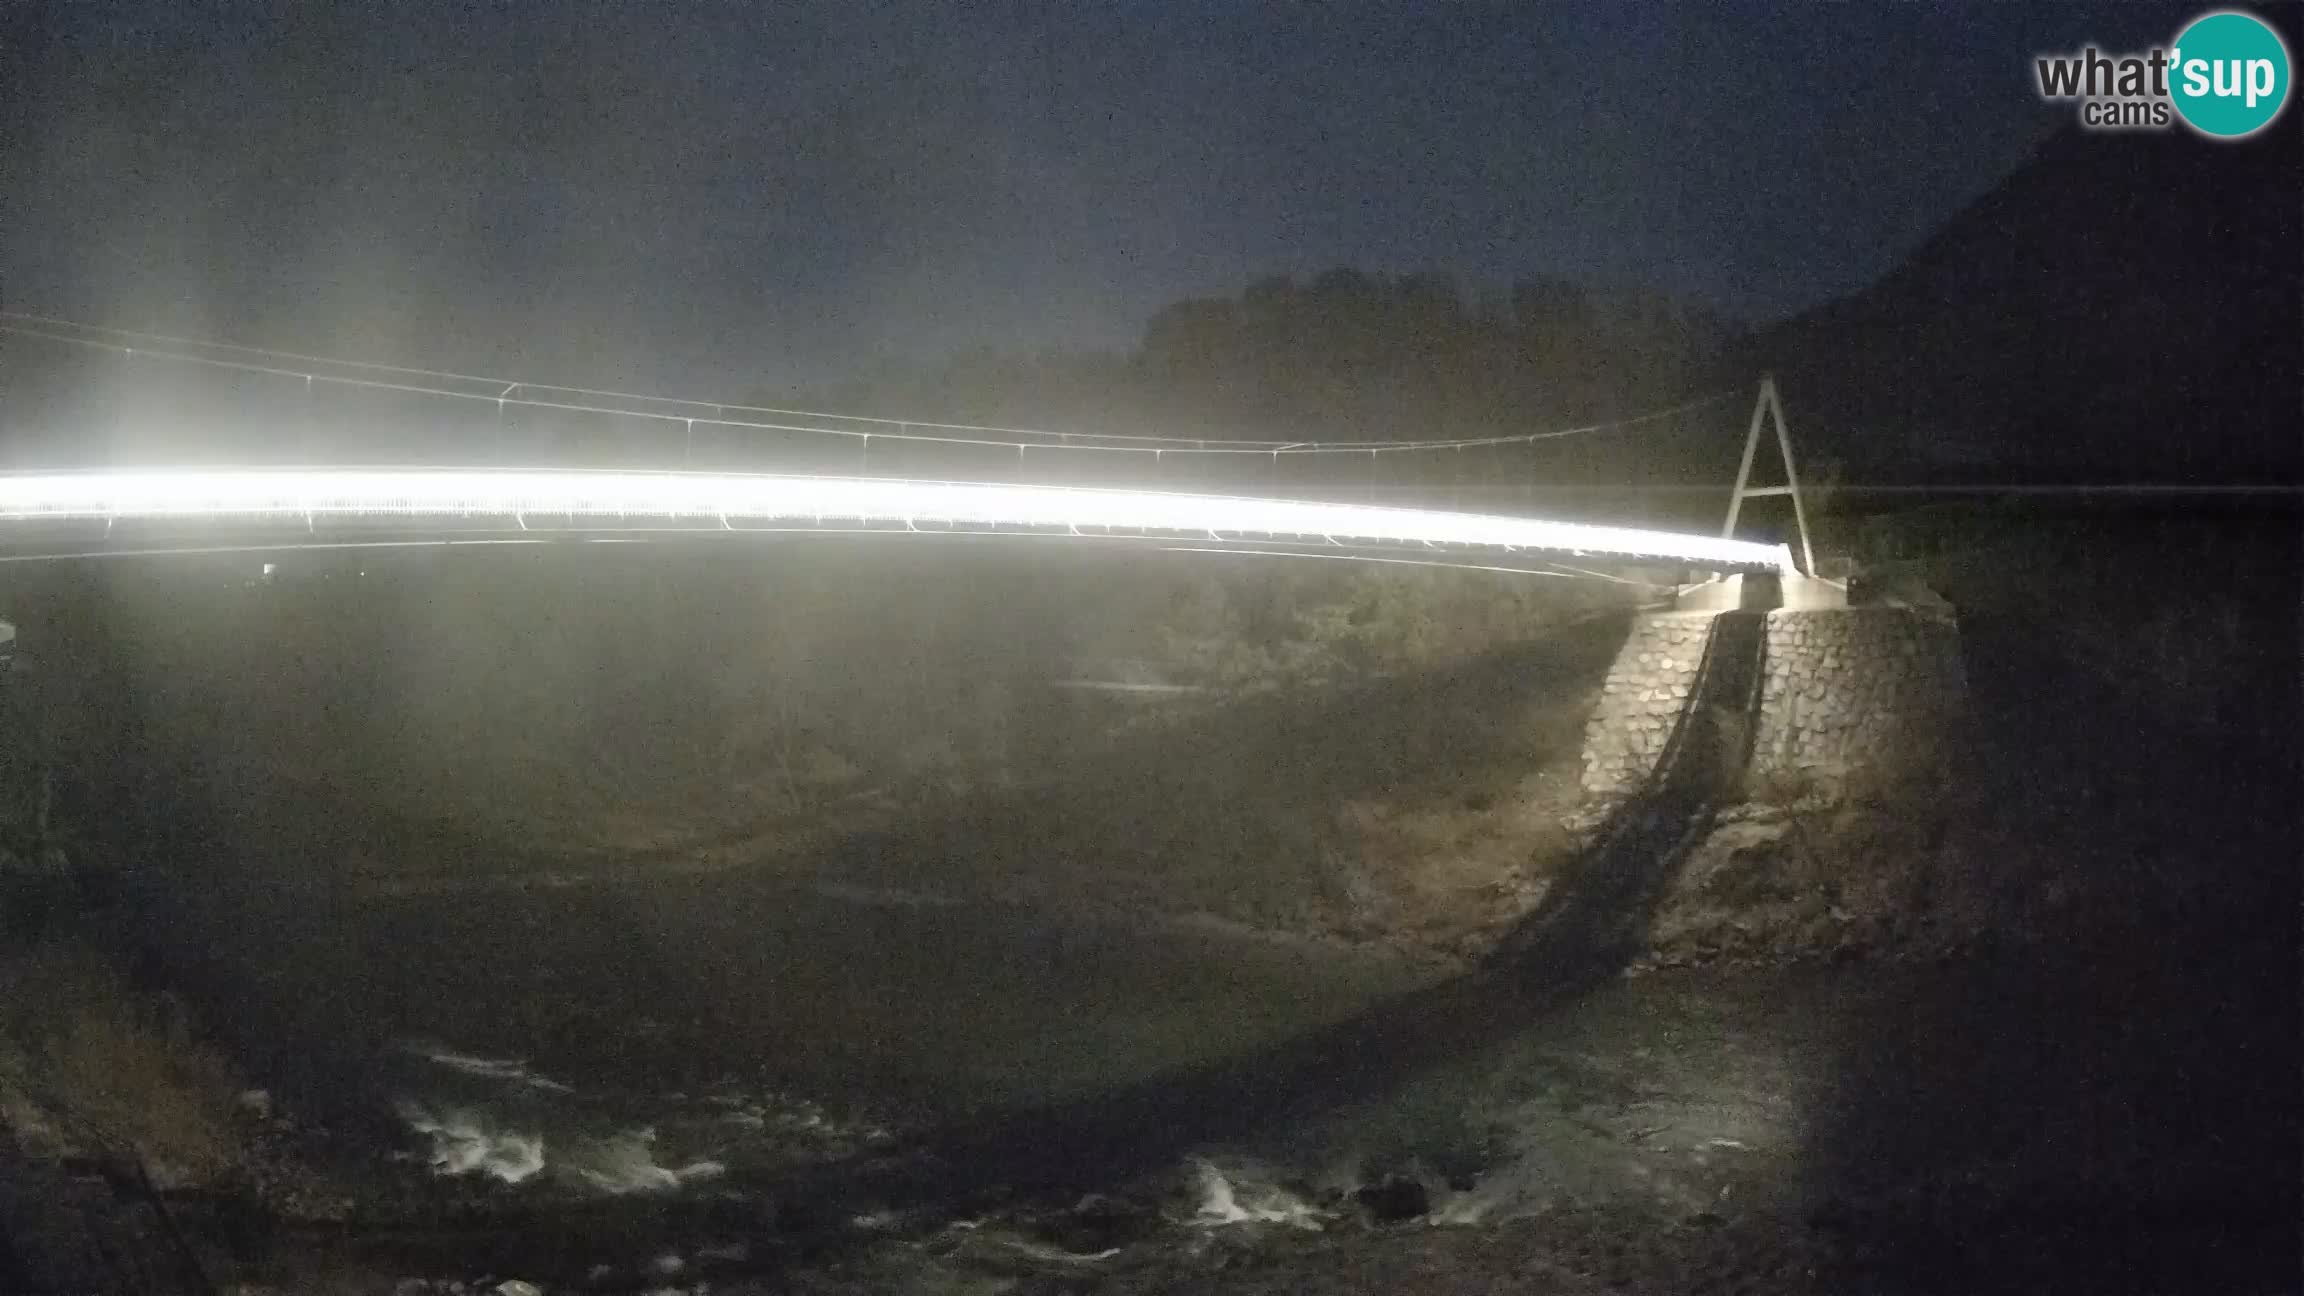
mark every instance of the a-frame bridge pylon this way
{"type": "Point", "coordinates": [1769, 406]}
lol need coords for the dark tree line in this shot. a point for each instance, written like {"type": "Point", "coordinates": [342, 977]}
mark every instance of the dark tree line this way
{"type": "Point", "coordinates": [1347, 354]}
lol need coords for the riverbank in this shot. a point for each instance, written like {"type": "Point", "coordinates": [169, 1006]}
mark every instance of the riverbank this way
{"type": "Point", "coordinates": [1841, 1129]}
{"type": "Point", "coordinates": [2032, 1119]}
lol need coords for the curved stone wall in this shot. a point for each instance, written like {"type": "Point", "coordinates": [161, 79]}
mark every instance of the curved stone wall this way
{"type": "Point", "coordinates": [1645, 691]}
{"type": "Point", "coordinates": [1849, 692]}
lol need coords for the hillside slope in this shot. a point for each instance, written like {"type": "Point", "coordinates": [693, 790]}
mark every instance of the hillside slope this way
{"type": "Point", "coordinates": [2122, 307]}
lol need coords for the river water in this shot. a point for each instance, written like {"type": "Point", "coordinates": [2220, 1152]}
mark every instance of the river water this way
{"type": "Point", "coordinates": [728, 1079]}
{"type": "Point", "coordinates": [898, 1093]}
{"type": "Point", "coordinates": [699, 1041]}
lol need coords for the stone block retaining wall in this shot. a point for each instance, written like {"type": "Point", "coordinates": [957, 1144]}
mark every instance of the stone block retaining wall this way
{"type": "Point", "coordinates": [1868, 691]}
{"type": "Point", "coordinates": [1641, 700]}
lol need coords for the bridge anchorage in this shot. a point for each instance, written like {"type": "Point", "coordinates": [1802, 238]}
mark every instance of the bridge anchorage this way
{"type": "Point", "coordinates": [1839, 695]}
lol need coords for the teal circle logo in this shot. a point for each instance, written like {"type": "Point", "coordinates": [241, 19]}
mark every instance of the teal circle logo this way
{"type": "Point", "coordinates": [2229, 75]}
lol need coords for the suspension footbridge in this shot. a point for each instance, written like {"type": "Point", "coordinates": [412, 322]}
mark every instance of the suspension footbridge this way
{"type": "Point", "coordinates": [518, 462]}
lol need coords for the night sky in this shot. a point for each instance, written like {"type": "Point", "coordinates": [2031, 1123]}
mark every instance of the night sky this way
{"type": "Point", "coordinates": [723, 195]}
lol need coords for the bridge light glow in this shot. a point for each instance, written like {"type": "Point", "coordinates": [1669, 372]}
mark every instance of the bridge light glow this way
{"type": "Point", "coordinates": [570, 500]}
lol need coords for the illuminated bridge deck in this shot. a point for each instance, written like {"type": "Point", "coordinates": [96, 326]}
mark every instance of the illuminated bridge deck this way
{"type": "Point", "coordinates": [174, 509]}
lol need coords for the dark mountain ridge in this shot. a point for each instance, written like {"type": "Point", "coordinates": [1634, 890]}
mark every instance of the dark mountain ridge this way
{"type": "Point", "coordinates": [2123, 308]}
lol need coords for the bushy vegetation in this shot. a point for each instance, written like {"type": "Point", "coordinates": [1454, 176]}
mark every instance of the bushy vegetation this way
{"type": "Point", "coordinates": [110, 1072]}
{"type": "Point", "coordinates": [90, 1064]}
{"type": "Point", "coordinates": [1343, 355]}
{"type": "Point", "coordinates": [2172, 613]}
